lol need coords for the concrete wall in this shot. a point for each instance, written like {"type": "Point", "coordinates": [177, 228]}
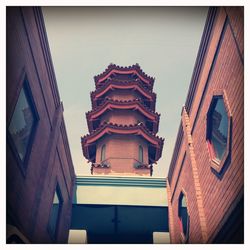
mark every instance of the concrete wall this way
{"type": "Point", "coordinates": [120, 190]}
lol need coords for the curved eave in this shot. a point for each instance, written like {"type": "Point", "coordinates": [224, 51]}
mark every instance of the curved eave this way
{"type": "Point", "coordinates": [136, 105]}
{"type": "Point", "coordinates": [108, 128]}
{"type": "Point", "coordinates": [112, 68]}
{"type": "Point", "coordinates": [111, 85]}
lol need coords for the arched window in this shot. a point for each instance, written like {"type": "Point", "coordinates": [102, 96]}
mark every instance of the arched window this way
{"type": "Point", "coordinates": [103, 152]}
{"type": "Point", "coordinates": [183, 217]}
{"type": "Point", "coordinates": [140, 153]}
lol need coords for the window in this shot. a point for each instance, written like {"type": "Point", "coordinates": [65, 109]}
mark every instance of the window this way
{"type": "Point", "coordinates": [103, 152]}
{"type": "Point", "coordinates": [183, 217]}
{"type": "Point", "coordinates": [140, 153]}
{"type": "Point", "coordinates": [55, 212]}
{"type": "Point", "coordinates": [22, 124]}
{"type": "Point", "coordinates": [218, 131]}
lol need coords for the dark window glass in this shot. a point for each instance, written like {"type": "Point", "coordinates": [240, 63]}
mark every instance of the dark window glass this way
{"type": "Point", "coordinates": [54, 213]}
{"type": "Point", "coordinates": [103, 152]}
{"type": "Point", "coordinates": [140, 154]}
{"type": "Point", "coordinates": [21, 124]}
{"type": "Point", "coordinates": [183, 215]}
{"type": "Point", "coordinates": [219, 129]}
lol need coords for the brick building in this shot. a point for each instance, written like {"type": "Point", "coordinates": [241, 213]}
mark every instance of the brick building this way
{"type": "Point", "coordinates": [123, 123]}
{"type": "Point", "coordinates": [40, 173]}
{"type": "Point", "coordinates": [205, 179]}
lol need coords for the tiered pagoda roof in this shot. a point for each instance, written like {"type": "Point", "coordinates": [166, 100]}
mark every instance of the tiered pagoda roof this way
{"type": "Point", "coordinates": [116, 78]}
{"type": "Point", "coordinates": [156, 143]}
{"type": "Point", "coordinates": [112, 104]}
{"type": "Point", "coordinates": [115, 71]}
{"type": "Point", "coordinates": [147, 94]}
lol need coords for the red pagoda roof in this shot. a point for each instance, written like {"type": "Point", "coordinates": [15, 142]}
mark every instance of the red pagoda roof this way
{"type": "Point", "coordinates": [114, 84]}
{"type": "Point", "coordinates": [136, 104]}
{"type": "Point", "coordinates": [89, 141]}
{"type": "Point", "coordinates": [134, 69]}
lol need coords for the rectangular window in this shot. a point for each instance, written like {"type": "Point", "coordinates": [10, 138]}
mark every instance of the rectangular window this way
{"type": "Point", "coordinates": [103, 152]}
{"type": "Point", "coordinates": [55, 212]}
{"type": "Point", "coordinates": [22, 123]}
{"type": "Point", "coordinates": [140, 154]}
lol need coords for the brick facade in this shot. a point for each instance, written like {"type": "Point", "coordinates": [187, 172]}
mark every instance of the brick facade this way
{"type": "Point", "coordinates": [214, 193]}
{"type": "Point", "coordinates": [31, 186]}
{"type": "Point", "coordinates": [123, 160]}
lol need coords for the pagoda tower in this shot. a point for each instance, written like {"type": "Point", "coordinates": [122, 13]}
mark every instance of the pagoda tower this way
{"type": "Point", "coordinates": [122, 123]}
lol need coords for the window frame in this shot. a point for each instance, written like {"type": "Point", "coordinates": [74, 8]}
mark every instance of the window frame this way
{"type": "Point", "coordinates": [215, 163]}
{"type": "Point", "coordinates": [184, 238]}
{"type": "Point", "coordinates": [25, 86]}
{"type": "Point", "coordinates": [57, 190]}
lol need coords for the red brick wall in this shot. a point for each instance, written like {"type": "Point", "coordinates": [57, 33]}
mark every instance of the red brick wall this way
{"type": "Point", "coordinates": [187, 187]}
{"type": "Point", "coordinates": [222, 71]}
{"type": "Point", "coordinates": [30, 194]}
{"type": "Point", "coordinates": [123, 95]}
{"type": "Point", "coordinates": [123, 117]}
{"type": "Point", "coordinates": [122, 154]}
{"type": "Point", "coordinates": [227, 76]}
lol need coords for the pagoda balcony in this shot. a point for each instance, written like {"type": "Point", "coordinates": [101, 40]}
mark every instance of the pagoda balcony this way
{"type": "Point", "coordinates": [141, 165]}
{"type": "Point", "coordinates": [106, 165]}
{"type": "Point", "coordinates": [98, 96]}
{"type": "Point", "coordinates": [133, 71]}
{"type": "Point", "coordinates": [94, 116]}
{"type": "Point", "coordinates": [89, 141]}
{"type": "Point", "coordinates": [103, 164]}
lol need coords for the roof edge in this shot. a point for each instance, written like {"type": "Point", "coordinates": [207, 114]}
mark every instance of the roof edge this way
{"type": "Point", "coordinates": [121, 181]}
{"type": "Point", "coordinates": [204, 43]}
{"type": "Point", "coordinates": [121, 68]}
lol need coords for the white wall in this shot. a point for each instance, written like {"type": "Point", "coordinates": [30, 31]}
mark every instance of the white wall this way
{"type": "Point", "coordinates": [144, 196]}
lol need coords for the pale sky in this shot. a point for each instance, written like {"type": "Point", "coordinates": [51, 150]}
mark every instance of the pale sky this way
{"type": "Point", "coordinates": [85, 40]}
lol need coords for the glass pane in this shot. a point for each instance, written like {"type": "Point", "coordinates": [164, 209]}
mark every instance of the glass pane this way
{"type": "Point", "coordinates": [54, 214]}
{"type": "Point", "coordinates": [184, 220]}
{"type": "Point", "coordinates": [183, 202]}
{"type": "Point", "coordinates": [53, 218]}
{"type": "Point", "coordinates": [21, 124]}
{"type": "Point", "coordinates": [140, 154]}
{"type": "Point", "coordinates": [183, 214]}
{"type": "Point", "coordinates": [103, 152]}
{"type": "Point", "coordinates": [56, 199]}
{"type": "Point", "coordinates": [219, 129]}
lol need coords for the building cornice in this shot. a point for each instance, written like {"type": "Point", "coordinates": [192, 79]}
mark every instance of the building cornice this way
{"type": "Point", "coordinates": [121, 181]}
{"type": "Point", "coordinates": [194, 82]}
{"type": "Point", "coordinates": [200, 56]}
{"type": "Point", "coordinates": [176, 151]}
{"type": "Point", "coordinates": [46, 53]}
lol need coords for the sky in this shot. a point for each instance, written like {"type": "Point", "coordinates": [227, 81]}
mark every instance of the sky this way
{"type": "Point", "coordinates": [85, 40]}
